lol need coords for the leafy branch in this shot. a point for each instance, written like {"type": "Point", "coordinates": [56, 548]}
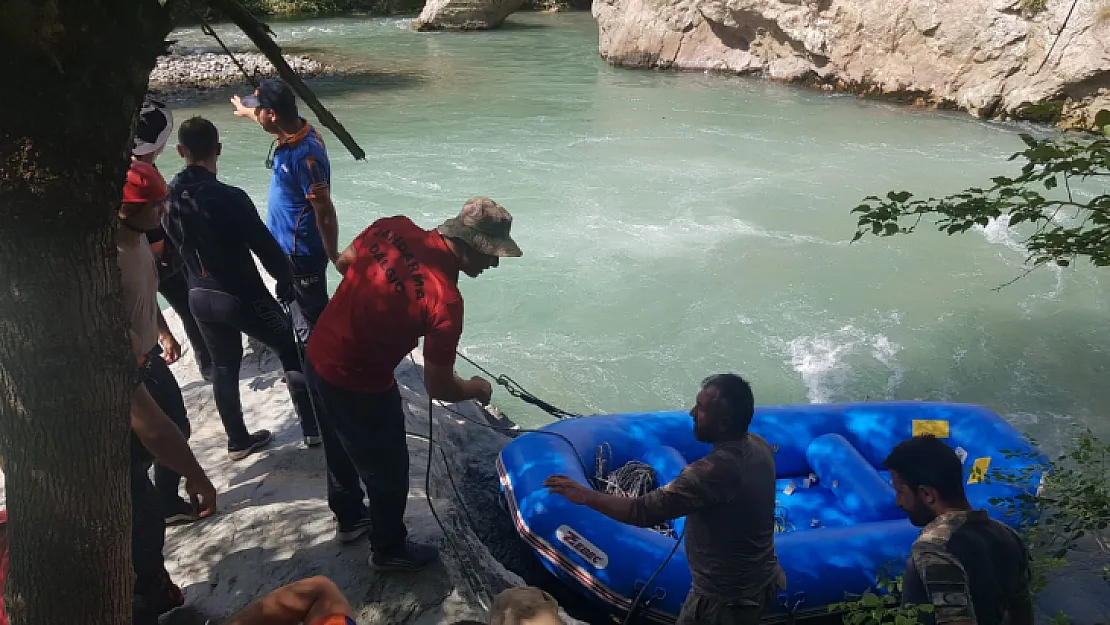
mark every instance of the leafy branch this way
{"type": "Point", "coordinates": [1073, 501]}
{"type": "Point", "coordinates": [882, 606]}
{"type": "Point", "coordinates": [1062, 225]}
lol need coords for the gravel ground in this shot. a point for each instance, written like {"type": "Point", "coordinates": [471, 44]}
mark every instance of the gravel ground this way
{"type": "Point", "coordinates": [184, 75]}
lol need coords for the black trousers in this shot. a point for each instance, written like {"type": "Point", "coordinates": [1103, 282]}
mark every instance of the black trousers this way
{"type": "Point", "coordinates": [223, 318]}
{"type": "Point", "coordinates": [148, 533]}
{"type": "Point", "coordinates": [163, 387]}
{"type": "Point", "coordinates": [364, 441]}
{"type": "Point", "coordinates": [175, 289]}
{"type": "Point", "coordinates": [310, 287]}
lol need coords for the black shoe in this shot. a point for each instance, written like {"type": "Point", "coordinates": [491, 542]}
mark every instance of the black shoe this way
{"type": "Point", "coordinates": [313, 440]}
{"type": "Point", "coordinates": [351, 533]}
{"type": "Point", "coordinates": [180, 512]}
{"type": "Point", "coordinates": [257, 441]}
{"type": "Point", "coordinates": [414, 557]}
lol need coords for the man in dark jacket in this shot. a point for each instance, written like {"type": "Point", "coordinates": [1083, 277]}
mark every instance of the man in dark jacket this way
{"type": "Point", "coordinates": [151, 135]}
{"type": "Point", "coordinates": [216, 227]}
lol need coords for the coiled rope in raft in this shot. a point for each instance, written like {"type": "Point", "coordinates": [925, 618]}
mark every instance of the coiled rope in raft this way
{"type": "Point", "coordinates": [636, 479]}
{"type": "Point", "coordinates": [633, 479]}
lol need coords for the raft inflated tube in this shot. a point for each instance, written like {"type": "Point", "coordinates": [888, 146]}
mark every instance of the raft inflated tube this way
{"type": "Point", "coordinates": [668, 462]}
{"type": "Point", "coordinates": [863, 493]}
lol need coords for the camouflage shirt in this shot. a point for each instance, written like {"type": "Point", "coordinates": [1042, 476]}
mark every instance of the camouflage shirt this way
{"type": "Point", "coordinates": [970, 567]}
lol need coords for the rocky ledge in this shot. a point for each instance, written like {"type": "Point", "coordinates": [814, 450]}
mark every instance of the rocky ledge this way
{"type": "Point", "coordinates": [465, 14]}
{"type": "Point", "coordinates": [1045, 60]}
{"type": "Point", "coordinates": [183, 74]}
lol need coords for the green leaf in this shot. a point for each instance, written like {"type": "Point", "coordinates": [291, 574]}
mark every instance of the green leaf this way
{"type": "Point", "coordinates": [869, 600]}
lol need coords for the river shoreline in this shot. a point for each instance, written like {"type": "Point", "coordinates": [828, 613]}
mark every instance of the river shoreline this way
{"type": "Point", "coordinates": [189, 75]}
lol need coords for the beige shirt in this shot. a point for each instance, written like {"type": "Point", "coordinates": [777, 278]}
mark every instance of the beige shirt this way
{"type": "Point", "coordinates": [139, 277]}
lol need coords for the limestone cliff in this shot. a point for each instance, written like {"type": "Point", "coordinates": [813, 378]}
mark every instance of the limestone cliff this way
{"type": "Point", "coordinates": [465, 14]}
{"type": "Point", "coordinates": [989, 57]}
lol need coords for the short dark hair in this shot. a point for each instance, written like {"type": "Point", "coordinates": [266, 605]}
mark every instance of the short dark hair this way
{"type": "Point", "coordinates": [198, 138]}
{"type": "Point", "coordinates": [734, 398]}
{"type": "Point", "coordinates": [929, 461]}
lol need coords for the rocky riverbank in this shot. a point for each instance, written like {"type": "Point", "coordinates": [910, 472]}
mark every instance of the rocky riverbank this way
{"type": "Point", "coordinates": [1046, 61]}
{"type": "Point", "coordinates": [274, 526]}
{"type": "Point", "coordinates": [184, 74]}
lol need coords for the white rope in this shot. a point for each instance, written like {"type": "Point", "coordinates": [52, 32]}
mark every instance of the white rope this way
{"type": "Point", "coordinates": [633, 479]}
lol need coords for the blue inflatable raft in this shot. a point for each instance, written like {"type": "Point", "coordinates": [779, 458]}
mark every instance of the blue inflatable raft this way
{"type": "Point", "coordinates": [837, 521]}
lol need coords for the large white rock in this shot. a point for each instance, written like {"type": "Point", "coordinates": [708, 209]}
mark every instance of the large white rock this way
{"type": "Point", "coordinates": [465, 14]}
{"type": "Point", "coordinates": [983, 56]}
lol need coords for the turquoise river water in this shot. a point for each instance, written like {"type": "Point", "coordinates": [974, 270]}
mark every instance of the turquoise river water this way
{"type": "Point", "coordinates": [676, 225]}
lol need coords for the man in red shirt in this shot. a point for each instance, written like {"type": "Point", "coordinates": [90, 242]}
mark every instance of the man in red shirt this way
{"type": "Point", "coordinates": [400, 283]}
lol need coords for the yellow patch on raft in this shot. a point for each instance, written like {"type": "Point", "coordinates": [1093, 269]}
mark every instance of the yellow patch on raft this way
{"type": "Point", "coordinates": [928, 427]}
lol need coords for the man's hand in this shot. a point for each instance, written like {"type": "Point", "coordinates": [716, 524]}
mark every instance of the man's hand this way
{"type": "Point", "coordinates": [240, 110]}
{"type": "Point", "coordinates": [482, 389]}
{"type": "Point", "coordinates": [573, 491]}
{"type": "Point", "coordinates": [203, 495]}
{"type": "Point", "coordinates": [171, 349]}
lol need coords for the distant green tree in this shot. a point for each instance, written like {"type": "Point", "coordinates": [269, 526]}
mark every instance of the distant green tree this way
{"type": "Point", "coordinates": [1060, 225]}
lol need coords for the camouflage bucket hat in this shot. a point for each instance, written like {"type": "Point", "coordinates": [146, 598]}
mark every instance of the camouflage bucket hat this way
{"type": "Point", "coordinates": [483, 225]}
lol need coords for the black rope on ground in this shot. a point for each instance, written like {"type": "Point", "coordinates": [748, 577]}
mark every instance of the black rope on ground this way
{"type": "Point", "coordinates": [521, 393]}
{"type": "Point", "coordinates": [638, 599]}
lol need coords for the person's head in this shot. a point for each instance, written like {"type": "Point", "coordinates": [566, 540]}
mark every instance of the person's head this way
{"type": "Point", "coordinates": [198, 141]}
{"type": "Point", "coordinates": [524, 605]}
{"type": "Point", "coordinates": [152, 131]}
{"type": "Point", "coordinates": [275, 103]}
{"type": "Point", "coordinates": [144, 197]}
{"type": "Point", "coordinates": [928, 478]}
{"type": "Point", "coordinates": [479, 236]}
{"type": "Point", "coordinates": [723, 409]}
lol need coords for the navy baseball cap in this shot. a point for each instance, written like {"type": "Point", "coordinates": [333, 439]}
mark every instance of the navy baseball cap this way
{"type": "Point", "coordinates": [273, 93]}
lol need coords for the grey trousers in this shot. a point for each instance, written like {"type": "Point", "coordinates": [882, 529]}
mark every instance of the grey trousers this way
{"type": "Point", "coordinates": [699, 609]}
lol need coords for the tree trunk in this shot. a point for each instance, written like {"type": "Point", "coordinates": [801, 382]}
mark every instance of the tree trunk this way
{"type": "Point", "coordinates": [76, 71]}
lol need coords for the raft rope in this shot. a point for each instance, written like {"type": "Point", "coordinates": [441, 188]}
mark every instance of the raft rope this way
{"type": "Point", "coordinates": [633, 479]}
{"type": "Point", "coordinates": [638, 600]}
{"type": "Point", "coordinates": [782, 523]}
{"type": "Point", "coordinates": [518, 391]}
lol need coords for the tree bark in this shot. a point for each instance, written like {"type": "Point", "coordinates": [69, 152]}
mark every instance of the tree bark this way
{"type": "Point", "coordinates": [76, 71]}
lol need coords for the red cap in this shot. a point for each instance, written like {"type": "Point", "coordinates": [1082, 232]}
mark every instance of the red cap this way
{"type": "Point", "coordinates": [144, 184]}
